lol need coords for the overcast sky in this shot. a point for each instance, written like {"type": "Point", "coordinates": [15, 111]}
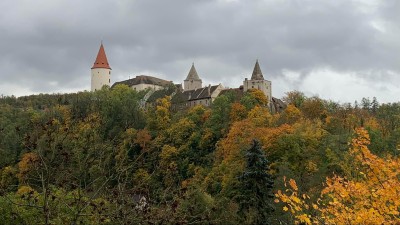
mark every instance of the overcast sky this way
{"type": "Point", "coordinates": [341, 50]}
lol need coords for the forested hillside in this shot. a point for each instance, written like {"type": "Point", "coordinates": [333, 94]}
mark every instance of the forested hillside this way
{"type": "Point", "coordinates": [103, 158]}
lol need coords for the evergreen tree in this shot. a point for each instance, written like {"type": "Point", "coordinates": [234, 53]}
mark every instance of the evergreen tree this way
{"type": "Point", "coordinates": [374, 105]}
{"type": "Point", "coordinates": [256, 185]}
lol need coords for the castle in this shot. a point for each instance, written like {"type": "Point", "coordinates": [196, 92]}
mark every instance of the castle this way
{"type": "Point", "coordinates": [192, 93]}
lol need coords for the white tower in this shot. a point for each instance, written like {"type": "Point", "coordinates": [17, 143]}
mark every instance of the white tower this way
{"type": "Point", "coordinates": [101, 71]}
{"type": "Point", "coordinates": [257, 81]}
{"type": "Point", "coordinates": [192, 81]}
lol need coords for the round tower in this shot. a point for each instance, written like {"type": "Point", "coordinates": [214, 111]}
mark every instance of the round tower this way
{"type": "Point", "coordinates": [101, 71]}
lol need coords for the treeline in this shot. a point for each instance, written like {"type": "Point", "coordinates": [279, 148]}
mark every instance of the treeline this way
{"type": "Point", "coordinates": [106, 158]}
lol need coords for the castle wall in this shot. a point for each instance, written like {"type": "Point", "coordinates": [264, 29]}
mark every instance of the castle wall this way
{"type": "Point", "coordinates": [263, 85]}
{"type": "Point", "coordinates": [99, 78]}
{"type": "Point", "coordinates": [141, 87]}
{"type": "Point", "coordinates": [204, 102]}
{"type": "Point", "coordinates": [216, 92]}
{"type": "Point", "coordinates": [192, 84]}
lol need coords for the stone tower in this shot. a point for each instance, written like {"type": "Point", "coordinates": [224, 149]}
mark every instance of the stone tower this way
{"type": "Point", "coordinates": [192, 81]}
{"type": "Point", "coordinates": [101, 71]}
{"type": "Point", "coordinates": [257, 81]}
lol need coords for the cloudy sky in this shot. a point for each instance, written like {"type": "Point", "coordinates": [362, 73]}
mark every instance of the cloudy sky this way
{"type": "Point", "coordinates": [341, 50]}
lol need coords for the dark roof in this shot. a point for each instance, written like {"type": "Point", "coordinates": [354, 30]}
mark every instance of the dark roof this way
{"type": "Point", "coordinates": [192, 75]}
{"type": "Point", "coordinates": [235, 93]}
{"type": "Point", "coordinates": [190, 95]}
{"type": "Point", "coordinates": [162, 93]}
{"type": "Point", "coordinates": [257, 74]}
{"type": "Point", "coordinates": [143, 79]}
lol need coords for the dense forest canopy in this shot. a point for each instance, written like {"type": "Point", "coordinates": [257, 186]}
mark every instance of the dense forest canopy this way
{"type": "Point", "coordinates": [104, 157]}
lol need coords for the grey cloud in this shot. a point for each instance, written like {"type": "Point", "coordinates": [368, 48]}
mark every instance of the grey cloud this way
{"type": "Point", "coordinates": [55, 42]}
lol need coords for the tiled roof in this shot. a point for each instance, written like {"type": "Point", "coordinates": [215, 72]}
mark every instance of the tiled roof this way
{"type": "Point", "coordinates": [101, 59]}
{"type": "Point", "coordinates": [200, 93]}
{"type": "Point", "coordinates": [143, 79]}
{"type": "Point", "coordinates": [237, 93]}
{"type": "Point", "coordinates": [162, 93]}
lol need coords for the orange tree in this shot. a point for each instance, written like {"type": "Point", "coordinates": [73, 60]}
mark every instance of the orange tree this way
{"type": "Point", "coordinates": [369, 197]}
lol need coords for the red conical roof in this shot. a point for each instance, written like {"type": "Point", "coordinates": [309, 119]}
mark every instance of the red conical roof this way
{"type": "Point", "coordinates": [101, 59]}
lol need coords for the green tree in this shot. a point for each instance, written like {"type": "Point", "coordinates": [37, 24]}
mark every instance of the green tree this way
{"type": "Point", "coordinates": [256, 185]}
{"type": "Point", "coordinates": [295, 97]}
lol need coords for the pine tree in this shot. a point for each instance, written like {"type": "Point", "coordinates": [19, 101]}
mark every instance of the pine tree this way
{"type": "Point", "coordinates": [256, 185]}
{"type": "Point", "coordinates": [374, 105]}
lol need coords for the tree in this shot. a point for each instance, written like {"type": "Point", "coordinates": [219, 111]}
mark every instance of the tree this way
{"type": "Point", "coordinates": [160, 117]}
{"type": "Point", "coordinates": [366, 103]}
{"type": "Point", "coordinates": [238, 112]}
{"type": "Point", "coordinates": [119, 110]}
{"type": "Point", "coordinates": [219, 119]}
{"type": "Point", "coordinates": [291, 114]}
{"type": "Point", "coordinates": [374, 105]}
{"type": "Point", "coordinates": [369, 197]}
{"type": "Point", "coordinates": [295, 97]}
{"type": "Point", "coordinates": [313, 108]}
{"type": "Point", "coordinates": [256, 185]}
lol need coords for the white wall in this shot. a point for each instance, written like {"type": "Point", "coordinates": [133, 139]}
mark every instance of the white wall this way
{"type": "Point", "coordinates": [100, 77]}
{"type": "Point", "coordinates": [217, 91]}
{"type": "Point", "coordinates": [141, 87]}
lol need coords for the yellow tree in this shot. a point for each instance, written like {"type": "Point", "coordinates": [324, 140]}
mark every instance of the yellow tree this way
{"type": "Point", "coordinates": [372, 198]}
{"type": "Point", "coordinates": [143, 138]}
{"type": "Point", "coordinates": [369, 198]}
{"type": "Point", "coordinates": [238, 112]}
{"type": "Point", "coordinates": [259, 96]}
{"type": "Point", "coordinates": [291, 114]}
{"type": "Point", "coordinates": [160, 118]}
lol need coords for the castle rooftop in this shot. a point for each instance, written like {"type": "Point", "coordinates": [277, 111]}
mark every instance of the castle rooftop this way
{"type": "Point", "coordinates": [101, 59]}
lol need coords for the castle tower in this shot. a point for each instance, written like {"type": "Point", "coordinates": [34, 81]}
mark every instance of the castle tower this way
{"type": "Point", "coordinates": [257, 81]}
{"type": "Point", "coordinates": [101, 71]}
{"type": "Point", "coordinates": [192, 81]}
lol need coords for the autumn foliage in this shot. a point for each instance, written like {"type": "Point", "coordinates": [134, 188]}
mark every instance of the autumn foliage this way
{"type": "Point", "coordinates": [371, 197]}
{"type": "Point", "coordinates": [111, 157]}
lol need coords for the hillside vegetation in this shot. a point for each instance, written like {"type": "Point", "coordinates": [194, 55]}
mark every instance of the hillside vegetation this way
{"type": "Point", "coordinates": [102, 158]}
